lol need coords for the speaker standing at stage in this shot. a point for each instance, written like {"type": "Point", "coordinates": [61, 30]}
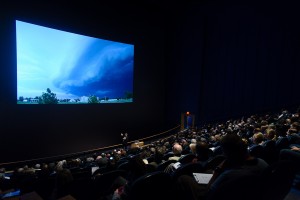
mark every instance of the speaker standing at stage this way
{"type": "Point", "coordinates": [124, 140]}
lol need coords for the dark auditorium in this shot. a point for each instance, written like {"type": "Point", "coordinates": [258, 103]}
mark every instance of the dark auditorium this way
{"type": "Point", "coordinates": [151, 99]}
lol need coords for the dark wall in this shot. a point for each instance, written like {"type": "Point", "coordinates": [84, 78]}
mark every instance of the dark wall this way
{"type": "Point", "coordinates": [231, 60]}
{"type": "Point", "coordinates": [34, 131]}
{"type": "Point", "coordinates": [214, 59]}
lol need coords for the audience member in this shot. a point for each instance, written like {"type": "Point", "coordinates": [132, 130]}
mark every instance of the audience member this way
{"type": "Point", "coordinates": [136, 170]}
{"type": "Point", "coordinates": [234, 137]}
{"type": "Point", "coordinates": [258, 138]}
{"type": "Point", "coordinates": [193, 148]}
{"type": "Point", "coordinates": [237, 163]}
{"type": "Point", "coordinates": [292, 154]}
{"type": "Point", "coordinates": [177, 149]}
{"type": "Point", "coordinates": [270, 135]}
{"type": "Point", "coordinates": [203, 153]}
{"type": "Point", "coordinates": [64, 179]}
{"type": "Point", "coordinates": [158, 156]}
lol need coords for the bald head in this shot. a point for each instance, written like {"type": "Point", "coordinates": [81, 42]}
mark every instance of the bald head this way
{"type": "Point", "coordinates": [177, 149]}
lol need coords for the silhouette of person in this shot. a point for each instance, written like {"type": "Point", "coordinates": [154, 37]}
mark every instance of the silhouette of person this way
{"type": "Point", "coordinates": [124, 137]}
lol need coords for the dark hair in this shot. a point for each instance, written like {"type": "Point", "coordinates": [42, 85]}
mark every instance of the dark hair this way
{"type": "Point", "coordinates": [202, 150]}
{"type": "Point", "coordinates": [137, 167]}
{"type": "Point", "coordinates": [234, 148]}
{"type": "Point", "coordinates": [159, 154]}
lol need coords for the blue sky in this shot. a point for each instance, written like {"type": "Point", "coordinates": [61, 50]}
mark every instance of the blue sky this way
{"type": "Point", "coordinates": [71, 65]}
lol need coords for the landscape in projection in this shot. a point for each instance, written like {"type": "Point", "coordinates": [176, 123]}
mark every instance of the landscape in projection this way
{"type": "Point", "coordinates": [59, 67]}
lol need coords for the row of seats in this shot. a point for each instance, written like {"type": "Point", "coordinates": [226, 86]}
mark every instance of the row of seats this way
{"type": "Point", "coordinates": [273, 184]}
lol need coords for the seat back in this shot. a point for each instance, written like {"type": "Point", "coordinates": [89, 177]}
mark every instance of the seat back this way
{"type": "Point", "coordinates": [150, 168]}
{"type": "Point", "coordinates": [124, 166]}
{"type": "Point", "coordinates": [282, 143]}
{"type": "Point", "coordinates": [187, 158]}
{"type": "Point", "coordinates": [122, 160]}
{"type": "Point", "coordinates": [162, 166]}
{"type": "Point", "coordinates": [155, 185]}
{"type": "Point", "coordinates": [280, 177]}
{"type": "Point", "coordinates": [218, 151]}
{"type": "Point", "coordinates": [188, 169]}
{"type": "Point", "coordinates": [246, 186]}
{"type": "Point", "coordinates": [257, 151]}
{"type": "Point", "coordinates": [167, 155]}
{"type": "Point", "coordinates": [102, 185]}
{"type": "Point", "coordinates": [214, 162]}
{"type": "Point", "coordinates": [270, 152]}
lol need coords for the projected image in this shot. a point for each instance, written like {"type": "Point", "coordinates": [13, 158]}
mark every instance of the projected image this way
{"type": "Point", "coordinates": [58, 67]}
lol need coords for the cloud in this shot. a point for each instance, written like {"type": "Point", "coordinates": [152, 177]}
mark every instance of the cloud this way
{"type": "Point", "coordinates": [102, 68]}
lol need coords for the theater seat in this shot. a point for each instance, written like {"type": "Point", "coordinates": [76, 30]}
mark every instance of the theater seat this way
{"type": "Point", "coordinates": [270, 152]}
{"type": "Point", "coordinates": [257, 151]}
{"type": "Point", "coordinates": [102, 185]}
{"type": "Point", "coordinates": [188, 169]}
{"type": "Point", "coordinates": [243, 187]}
{"type": "Point", "coordinates": [187, 158]}
{"type": "Point", "coordinates": [213, 163]}
{"type": "Point", "coordinates": [282, 143]}
{"type": "Point", "coordinates": [155, 185]}
{"type": "Point", "coordinates": [280, 177]}
{"type": "Point", "coordinates": [162, 166]}
{"type": "Point", "coordinates": [168, 155]}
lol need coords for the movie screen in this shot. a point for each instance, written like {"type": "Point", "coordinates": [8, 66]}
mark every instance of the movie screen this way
{"type": "Point", "coordinates": [59, 67]}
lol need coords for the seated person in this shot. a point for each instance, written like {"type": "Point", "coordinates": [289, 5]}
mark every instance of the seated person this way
{"type": "Point", "coordinates": [193, 148]}
{"type": "Point", "coordinates": [122, 185]}
{"type": "Point", "coordinates": [293, 136]}
{"type": "Point", "coordinates": [203, 152]}
{"type": "Point", "coordinates": [257, 139]}
{"type": "Point", "coordinates": [292, 154]}
{"type": "Point", "coordinates": [237, 162]}
{"type": "Point", "coordinates": [270, 135]}
{"type": "Point", "coordinates": [158, 156]}
{"type": "Point", "coordinates": [177, 150]}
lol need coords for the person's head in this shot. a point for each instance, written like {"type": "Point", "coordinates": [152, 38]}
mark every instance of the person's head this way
{"type": "Point", "coordinates": [271, 134]}
{"type": "Point", "coordinates": [281, 130]}
{"type": "Point", "coordinates": [264, 122]}
{"type": "Point", "coordinates": [193, 148]}
{"type": "Point", "coordinates": [245, 141]}
{"type": "Point", "coordinates": [60, 165]}
{"type": "Point", "coordinates": [177, 149]}
{"type": "Point", "coordinates": [292, 131]}
{"type": "Point", "coordinates": [263, 128]}
{"type": "Point", "coordinates": [272, 126]}
{"type": "Point", "coordinates": [257, 130]}
{"type": "Point", "coordinates": [295, 125]}
{"type": "Point", "coordinates": [102, 161]}
{"type": "Point", "coordinates": [63, 178]}
{"type": "Point", "coordinates": [193, 141]}
{"type": "Point", "coordinates": [184, 142]}
{"type": "Point", "coordinates": [137, 167]}
{"type": "Point", "coordinates": [218, 137]}
{"type": "Point", "coordinates": [234, 148]}
{"type": "Point", "coordinates": [258, 138]}
{"type": "Point", "coordinates": [202, 151]}
{"type": "Point", "coordinates": [159, 154]}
